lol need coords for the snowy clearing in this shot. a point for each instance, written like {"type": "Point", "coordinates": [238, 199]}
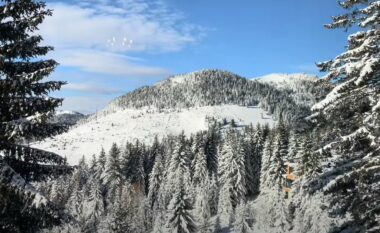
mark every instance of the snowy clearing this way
{"type": "Point", "coordinates": [88, 138]}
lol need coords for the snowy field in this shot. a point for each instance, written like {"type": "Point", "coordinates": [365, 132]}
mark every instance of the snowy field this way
{"type": "Point", "coordinates": [88, 138]}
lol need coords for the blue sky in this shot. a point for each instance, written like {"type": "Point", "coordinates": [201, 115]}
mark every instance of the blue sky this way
{"type": "Point", "coordinates": [109, 47]}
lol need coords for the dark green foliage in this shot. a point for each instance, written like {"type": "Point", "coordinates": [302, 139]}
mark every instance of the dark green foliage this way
{"type": "Point", "coordinates": [25, 110]}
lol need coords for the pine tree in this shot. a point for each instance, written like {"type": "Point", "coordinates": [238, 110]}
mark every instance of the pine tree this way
{"type": "Point", "coordinates": [308, 159]}
{"type": "Point", "coordinates": [113, 178]}
{"type": "Point", "coordinates": [214, 194]}
{"type": "Point", "coordinates": [294, 146]}
{"type": "Point", "coordinates": [93, 164]}
{"type": "Point", "coordinates": [180, 219]}
{"type": "Point", "coordinates": [95, 204]}
{"type": "Point", "coordinates": [243, 219]}
{"type": "Point", "coordinates": [266, 163]}
{"type": "Point", "coordinates": [232, 167]}
{"type": "Point", "coordinates": [225, 207]}
{"type": "Point", "coordinates": [155, 181]}
{"type": "Point", "coordinates": [202, 207]}
{"type": "Point", "coordinates": [179, 163]}
{"type": "Point", "coordinates": [101, 165]}
{"type": "Point", "coordinates": [25, 106]}
{"type": "Point", "coordinates": [200, 172]}
{"type": "Point", "coordinates": [211, 148]}
{"type": "Point", "coordinates": [349, 119]}
{"type": "Point", "coordinates": [132, 165]}
{"type": "Point", "coordinates": [277, 167]}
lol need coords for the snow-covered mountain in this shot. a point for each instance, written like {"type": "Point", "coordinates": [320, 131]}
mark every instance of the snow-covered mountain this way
{"type": "Point", "coordinates": [184, 102]}
{"type": "Point", "coordinates": [286, 80]}
{"type": "Point", "coordinates": [68, 117]}
{"type": "Point", "coordinates": [303, 88]}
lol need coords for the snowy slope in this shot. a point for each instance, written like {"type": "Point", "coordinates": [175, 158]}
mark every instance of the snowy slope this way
{"type": "Point", "coordinates": [89, 137]}
{"type": "Point", "coordinates": [285, 80]}
{"type": "Point", "coordinates": [303, 88]}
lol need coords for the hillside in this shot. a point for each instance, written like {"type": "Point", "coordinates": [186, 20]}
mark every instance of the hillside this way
{"type": "Point", "coordinates": [217, 87]}
{"type": "Point", "coordinates": [125, 125]}
{"type": "Point", "coordinates": [182, 102]}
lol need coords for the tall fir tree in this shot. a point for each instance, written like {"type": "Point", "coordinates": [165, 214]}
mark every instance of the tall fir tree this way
{"type": "Point", "coordinates": [25, 107]}
{"type": "Point", "coordinates": [113, 177]}
{"type": "Point", "coordinates": [180, 219]}
{"type": "Point", "coordinates": [308, 160]}
{"type": "Point", "coordinates": [232, 167]}
{"type": "Point", "coordinates": [349, 118]}
{"type": "Point", "coordinates": [243, 219]}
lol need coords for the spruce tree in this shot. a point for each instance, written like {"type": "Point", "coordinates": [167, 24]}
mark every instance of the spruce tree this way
{"type": "Point", "coordinates": [232, 167]}
{"type": "Point", "coordinates": [180, 219]}
{"type": "Point", "coordinates": [266, 163]}
{"type": "Point", "coordinates": [155, 181]}
{"type": "Point", "coordinates": [179, 163]}
{"type": "Point", "coordinates": [200, 172]}
{"type": "Point", "coordinates": [25, 106]}
{"type": "Point", "coordinates": [349, 119]}
{"type": "Point", "coordinates": [243, 219]}
{"type": "Point", "coordinates": [277, 167]}
{"type": "Point", "coordinates": [101, 166]}
{"type": "Point", "coordinates": [308, 160]}
{"type": "Point", "coordinates": [202, 206]}
{"type": "Point", "coordinates": [113, 177]}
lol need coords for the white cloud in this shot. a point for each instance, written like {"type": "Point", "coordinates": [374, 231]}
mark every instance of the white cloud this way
{"type": "Point", "coordinates": [91, 88]}
{"type": "Point", "coordinates": [91, 34]}
{"type": "Point", "coordinates": [106, 63]}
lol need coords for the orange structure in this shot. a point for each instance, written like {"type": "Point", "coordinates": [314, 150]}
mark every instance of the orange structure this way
{"type": "Point", "coordinates": [289, 178]}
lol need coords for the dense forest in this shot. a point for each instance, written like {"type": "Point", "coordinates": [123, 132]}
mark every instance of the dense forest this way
{"type": "Point", "coordinates": [317, 170]}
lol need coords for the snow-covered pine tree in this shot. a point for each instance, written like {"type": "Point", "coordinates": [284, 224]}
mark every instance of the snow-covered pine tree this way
{"type": "Point", "coordinates": [211, 148]}
{"type": "Point", "coordinates": [93, 165]}
{"type": "Point", "coordinates": [94, 205]}
{"type": "Point", "coordinates": [225, 208]}
{"type": "Point", "coordinates": [113, 176]}
{"type": "Point", "coordinates": [202, 206]}
{"type": "Point", "coordinates": [214, 194]}
{"type": "Point", "coordinates": [200, 172]}
{"type": "Point", "coordinates": [266, 162]}
{"type": "Point", "coordinates": [180, 219]}
{"type": "Point", "coordinates": [132, 165]}
{"type": "Point", "coordinates": [153, 152]}
{"type": "Point", "coordinates": [101, 166]}
{"type": "Point", "coordinates": [155, 181]}
{"type": "Point", "coordinates": [179, 163]}
{"type": "Point", "coordinates": [308, 160]}
{"type": "Point", "coordinates": [243, 219]}
{"type": "Point", "coordinates": [277, 166]}
{"type": "Point", "coordinates": [294, 146]}
{"type": "Point", "coordinates": [117, 222]}
{"type": "Point", "coordinates": [25, 106]}
{"type": "Point", "coordinates": [349, 117]}
{"type": "Point", "coordinates": [232, 167]}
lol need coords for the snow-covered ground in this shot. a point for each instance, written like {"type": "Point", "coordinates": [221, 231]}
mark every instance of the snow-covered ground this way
{"type": "Point", "coordinates": [89, 137]}
{"type": "Point", "coordinates": [284, 80]}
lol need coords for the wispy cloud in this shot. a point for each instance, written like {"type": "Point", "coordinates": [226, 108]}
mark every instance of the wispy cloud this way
{"type": "Point", "coordinates": [91, 88]}
{"type": "Point", "coordinates": [92, 34]}
{"type": "Point", "coordinates": [91, 60]}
